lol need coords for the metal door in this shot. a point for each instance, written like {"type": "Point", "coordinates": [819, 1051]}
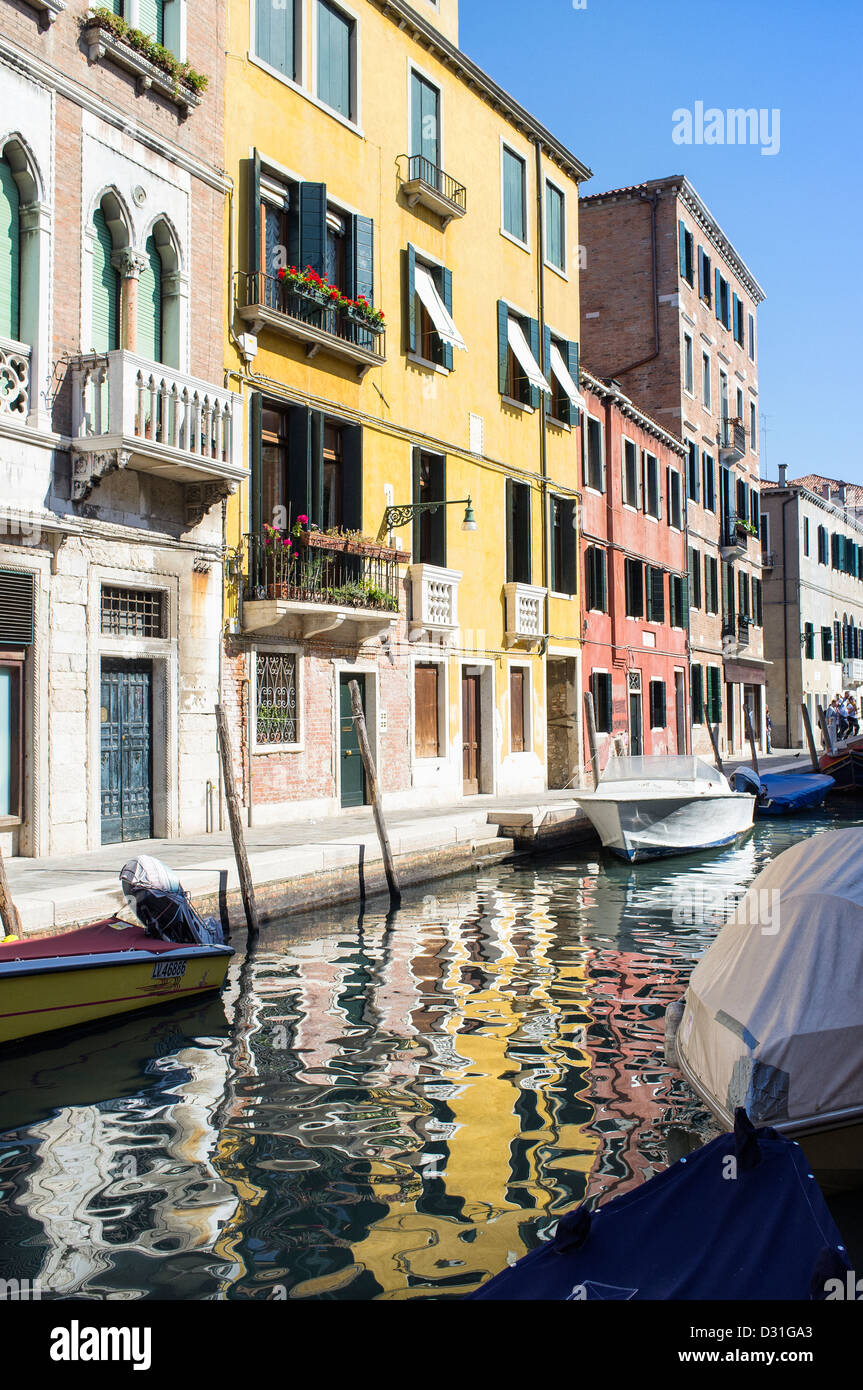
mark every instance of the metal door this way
{"type": "Point", "coordinates": [127, 751]}
{"type": "Point", "coordinates": [470, 733]}
{"type": "Point", "coordinates": [353, 776]}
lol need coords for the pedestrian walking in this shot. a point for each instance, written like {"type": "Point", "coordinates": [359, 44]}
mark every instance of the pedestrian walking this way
{"type": "Point", "coordinates": [769, 727]}
{"type": "Point", "coordinates": [831, 715]}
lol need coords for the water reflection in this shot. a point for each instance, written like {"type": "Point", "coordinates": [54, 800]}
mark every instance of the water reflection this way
{"type": "Point", "coordinates": [395, 1106]}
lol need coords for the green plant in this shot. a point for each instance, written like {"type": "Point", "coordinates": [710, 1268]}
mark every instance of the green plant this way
{"type": "Point", "coordinates": [154, 52]}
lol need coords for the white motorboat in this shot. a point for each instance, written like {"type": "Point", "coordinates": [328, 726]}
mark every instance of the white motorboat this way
{"type": "Point", "coordinates": [647, 807]}
{"type": "Point", "coordinates": [773, 1016]}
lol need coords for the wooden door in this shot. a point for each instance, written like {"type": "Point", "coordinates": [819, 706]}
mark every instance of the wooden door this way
{"type": "Point", "coordinates": [127, 754]}
{"type": "Point", "coordinates": [680, 710]}
{"type": "Point", "coordinates": [353, 775]}
{"type": "Point", "coordinates": [470, 692]}
{"type": "Point", "coordinates": [636, 740]}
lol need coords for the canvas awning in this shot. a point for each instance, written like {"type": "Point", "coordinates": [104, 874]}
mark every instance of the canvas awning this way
{"type": "Point", "coordinates": [564, 376]}
{"type": "Point", "coordinates": [438, 312]}
{"type": "Point", "coordinates": [529, 365]}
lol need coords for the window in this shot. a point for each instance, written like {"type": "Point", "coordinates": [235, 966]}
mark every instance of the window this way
{"type": "Point", "coordinates": [276, 32]}
{"type": "Point", "coordinates": [723, 301]}
{"type": "Point", "coordinates": [630, 474]}
{"type": "Point", "coordinates": [755, 508]}
{"type": "Point", "coordinates": [655, 587]}
{"type": "Point", "coordinates": [723, 395]}
{"type": "Point", "coordinates": [594, 463]}
{"type": "Point", "coordinates": [429, 528]}
{"type": "Point", "coordinates": [757, 602]}
{"type": "Point", "coordinates": [693, 472]}
{"type": "Point", "coordinates": [520, 376]}
{"type": "Point", "coordinates": [335, 38]}
{"type": "Point", "coordinates": [634, 586]}
{"type": "Point", "coordinates": [711, 584]}
{"type": "Point", "coordinates": [706, 395]}
{"type": "Point", "coordinates": [596, 587]}
{"type": "Point", "coordinates": [564, 552]}
{"type": "Point", "coordinates": [826, 644]}
{"type": "Point", "coordinates": [714, 694]}
{"type": "Point", "coordinates": [106, 287]}
{"type": "Point", "coordinates": [431, 330]}
{"type": "Point", "coordinates": [695, 577]}
{"type": "Point", "coordinates": [427, 685]}
{"type": "Point", "coordinates": [518, 550]}
{"type": "Point", "coordinates": [10, 253]}
{"type": "Point", "coordinates": [678, 600]}
{"type": "Point", "coordinates": [687, 254]}
{"type": "Point", "coordinates": [822, 545]}
{"type": "Point", "coordinates": [276, 716]}
{"type": "Point", "coordinates": [697, 683]}
{"type": "Point", "coordinates": [132, 612]}
{"type": "Point", "coordinates": [657, 705]}
{"type": "Point", "coordinates": [737, 319]}
{"type": "Point", "coordinates": [425, 125]}
{"type": "Point", "coordinates": [675, 499]}
{"type": "Point", "coordinates": [514, 195]}
{"type": "Point", "coordinates": [753, 427]}
{"type": "Point", "coordinates": [705, 290]}
{"type": "Point", "coordinates": [688, 369]}
{"type": "Point", "coordinates": [600, 689]}
{"type": "Point", "coordinates": [304, 463]}
{"type": "Point", "coordinates": [739, 405]}
{"type": "Point", "coordinates": [805, 535]}
{"type": "Point", "coordinates": [744, 607]}
{"type": "Point", "coordinates": [555, 226]}
{"type": "Point", "coordinates": [562, 371]}
{"type": "Point", "coordinates": [519, 722]}
{"type": "Point", "coordinates": [809, 642]}
{"type": "Point", "coordinates": [752, 337]}
{"type": "Point", "coordinates": [709, 483]}
{"type": "Point", "coordinates": [11, 743]}
{"type": "Point", "coordinates": [653, 501]}
{"type": "Point", "coordinates": [741, 500]}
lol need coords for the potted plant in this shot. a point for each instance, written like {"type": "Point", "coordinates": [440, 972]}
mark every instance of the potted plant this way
{"type": "Point", "coordinates": [361, 312]}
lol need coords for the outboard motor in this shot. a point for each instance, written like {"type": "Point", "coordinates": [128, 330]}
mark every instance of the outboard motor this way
{"type": "Point", "coordinates": [163, 907]}
{"type": "Point", "coordinates": [744, 779]}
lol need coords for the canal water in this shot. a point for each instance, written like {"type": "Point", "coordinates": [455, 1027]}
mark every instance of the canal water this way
{"type": "Point", "coordinates": [379, 1107]}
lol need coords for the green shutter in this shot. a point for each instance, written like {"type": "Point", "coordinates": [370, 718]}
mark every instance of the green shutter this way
{"type": "Point", "coordinates": [697, 694]}
{"type": "Point", "coordinates": [425, 121]}
{"type": "Point", "coordinates": [717, 305]}
{"type": "Point", "coordinates": [513, 195]}
{"type": "Point", "coordinates": [572, 366]}
{"type": "Point", "coordinates": [570, 547]}
{"type": "Point", "coordinates": [410, 291]}
{"type": "Point", "coordinates": [361, 270]}
{"type": "Point", "coordinates": [502, 345]}
{"type": "Point", "coordinates": [311, 226]}
{"type": "Point", "coordinates": [510, 530]}
{"type": "Point", "coordinates": [10, 254]}
{"type": "Point", "coordinates": [352, 465]}
{"type": "Point", "coordinates": [253, 172]}
{"type": "Point", "coordinates": [274, 35]}
{"type": "Point", "coordinates": [106, 290]}
{"type": "Point", "coordinates": [681, 241]}
{"type": "Point", "coordinates": [534, 344]}
{"type": "Point", "coordinates": [334, 58]}
{"type": "Point", "coordinates": [150, 305]}
{"type": "Point", "coordinates": [445, 285]}
{"type": "Point", "coordinates": [151, 19]}
{"type": "Point", "coordinates": [256, 410]}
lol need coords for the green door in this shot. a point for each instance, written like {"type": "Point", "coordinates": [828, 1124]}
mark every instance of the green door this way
{"type": "Point", "coordinates": [353, 775]}
{"type": "Point", "coordinates": [106, 289]}
{"type": "Point", "coordinates": [127, 755]}
{"type": "Point", "coordinates": [150, 305]}
{"type": "Point", "coordinates": [10, 254]}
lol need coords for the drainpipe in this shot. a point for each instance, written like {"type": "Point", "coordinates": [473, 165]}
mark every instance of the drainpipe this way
{"type": "Point", "coordinates": [652, 199]}
{"type": "Point", "coordinates": [785, 621]}
{"type": "Point", "coordinates": [543, 451]}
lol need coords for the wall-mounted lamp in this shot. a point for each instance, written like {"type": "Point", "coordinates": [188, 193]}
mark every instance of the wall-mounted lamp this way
{"type": "Point", "coordinates": [401, 514]}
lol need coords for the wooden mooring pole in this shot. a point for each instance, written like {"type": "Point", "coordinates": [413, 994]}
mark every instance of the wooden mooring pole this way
{"type": "Point", "coordinates": [374, 792]}
{"type": "Point", "coordinates": [247, 888]}
{"type": "Point", "coordinates": [8, 910]}
{"type": "Point", "coordinates": [810, 738]}
{"type": "Point", "coordinates": [591, 737]}
{"type": "Point", "coordinates": [750, 734]}
{"type": "Point", "coordinates": [715, 743]}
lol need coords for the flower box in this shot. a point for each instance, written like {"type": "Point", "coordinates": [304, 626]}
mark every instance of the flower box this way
{"type": "Point", "coordinates": [363, 321]}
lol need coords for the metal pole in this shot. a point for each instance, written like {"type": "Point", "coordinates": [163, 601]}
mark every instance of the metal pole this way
{"type": "Point", "coordinates": [372, 779]}
{"type": "Point", "coordinates": [247, 887]}
{"type": "Point", "coordinates": [810, 738]}
{"type": "Point", "coordinates": [591, 737]}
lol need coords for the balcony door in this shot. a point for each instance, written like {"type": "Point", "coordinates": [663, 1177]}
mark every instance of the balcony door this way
{"type": "Point", "coordinates": [425, 126]}
{"type": "Point", "coordinates": [106, 289]}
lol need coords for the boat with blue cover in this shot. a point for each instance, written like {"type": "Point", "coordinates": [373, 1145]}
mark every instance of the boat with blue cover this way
{"type": "Point", "coordinates": [691, 1233]}
{"type": "Point", "coordinates": [782, 793]}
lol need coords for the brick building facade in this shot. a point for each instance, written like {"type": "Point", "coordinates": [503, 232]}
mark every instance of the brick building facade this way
{"type": "Point", "coordinates": [669, 310]}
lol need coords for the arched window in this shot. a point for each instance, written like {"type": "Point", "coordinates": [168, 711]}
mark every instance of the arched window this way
{"type": "Point", "coordinates": [150, 291]}
{"type": "Point", "coordinates": [106, 287]}
{"type": "Point", "coordinates": [10, 253]}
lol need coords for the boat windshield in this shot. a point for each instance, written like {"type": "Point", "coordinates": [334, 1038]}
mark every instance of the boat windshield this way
{"type": "Point", "coordinates": [658, 769]}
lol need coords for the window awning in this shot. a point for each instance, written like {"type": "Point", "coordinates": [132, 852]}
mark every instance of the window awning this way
{"type": "Point", "coordinates": [561, 371]}
{"type": "Point", "coordinates": [529, 365]}
{"type": "Point", "coordinates": [438, 312]}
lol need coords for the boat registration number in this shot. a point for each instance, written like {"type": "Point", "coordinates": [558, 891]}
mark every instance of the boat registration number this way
{"type": "Point", "coordinates": [169, 969]}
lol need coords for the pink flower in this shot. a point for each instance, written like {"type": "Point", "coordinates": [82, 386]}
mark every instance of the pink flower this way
{"type": "Point", "coordinates": [303, 519]}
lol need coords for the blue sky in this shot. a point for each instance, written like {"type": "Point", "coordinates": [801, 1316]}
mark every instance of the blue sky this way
{"type": "Point", "coordinates": [606, 80]}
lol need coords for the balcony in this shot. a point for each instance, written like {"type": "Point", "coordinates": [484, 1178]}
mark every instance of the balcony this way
{"type": "Point", "coordinates": [768, 559]}
{"type": "Point", "coordinates": [131, 413]}
{"type": "Point", "coordinates": [732, 441]}
{"type": "Point", "coordinates": [852, 673]}
{"type": "Point", "coordinates": [434, 603]}
{"type": "Point", "coordinates": [733, 538]}
{"type": "Point", "coordinates": [265, 302]}
{"type": "Point", "coordinates": [735, 635]}
{"type": "Point", "coordinates": [313, 584]}
{"type": "Point", "coordinates": [524, 615]}
{"type": "Point", "coordinates": [434, 189]}
{"type": "Point", "coordinates": [103, 38]}
{"type": "Point", "coordinates": [14, 381]}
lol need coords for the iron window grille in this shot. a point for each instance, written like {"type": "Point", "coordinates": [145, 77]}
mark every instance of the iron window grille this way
{"type": "Point", "coordinates": [276, 721]}
{"type": "Point", "coordinates": [132, 612]}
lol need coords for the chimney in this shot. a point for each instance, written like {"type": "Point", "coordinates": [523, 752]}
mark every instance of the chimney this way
{"type": "Point", "coordinates": [783, 474]}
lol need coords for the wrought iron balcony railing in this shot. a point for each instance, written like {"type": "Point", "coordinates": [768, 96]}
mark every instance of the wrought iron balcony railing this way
{"type": "Point", "coordinates": [309, 570]}
{"type": "Point", "coordinates": [306, 314]}
{"type": "Point", "coordinates": [732, 440]}
{"type": "Point", "coordinates": [423, 171]}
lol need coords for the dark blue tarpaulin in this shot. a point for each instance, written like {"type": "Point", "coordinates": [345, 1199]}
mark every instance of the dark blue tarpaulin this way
{"type": "Point", "coordinates": [741, 1218]}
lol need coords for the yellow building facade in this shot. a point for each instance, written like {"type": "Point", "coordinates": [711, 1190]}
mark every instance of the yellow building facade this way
{"type": "Point", "coordinates": [376, 170]}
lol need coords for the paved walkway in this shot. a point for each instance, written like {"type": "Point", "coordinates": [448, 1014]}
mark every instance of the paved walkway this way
{"type": "Point", "coordinates": [58, 892]}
